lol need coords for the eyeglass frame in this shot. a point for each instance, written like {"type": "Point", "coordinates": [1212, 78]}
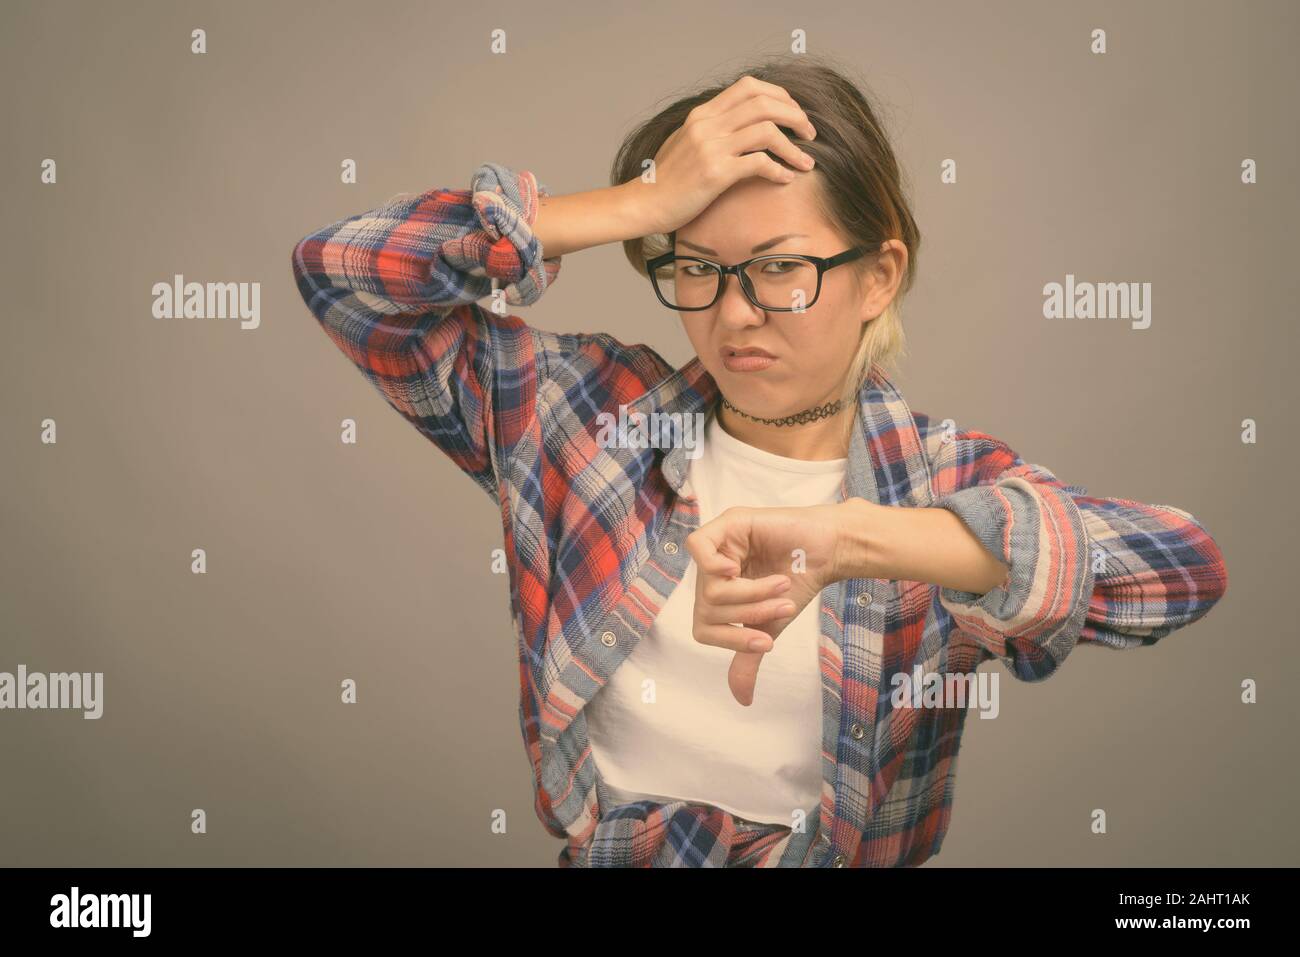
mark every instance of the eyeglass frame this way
{"type": "Point", "coordinates": [822, 263]}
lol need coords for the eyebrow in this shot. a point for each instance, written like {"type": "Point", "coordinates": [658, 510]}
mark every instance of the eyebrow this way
{"type": "Point", "coordinates": [757, 249]}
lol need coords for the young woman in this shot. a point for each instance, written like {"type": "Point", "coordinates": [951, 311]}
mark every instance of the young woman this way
{"type": "Point", "coordinates": [713, 630]}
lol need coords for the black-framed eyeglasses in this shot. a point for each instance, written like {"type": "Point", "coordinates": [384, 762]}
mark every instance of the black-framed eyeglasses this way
{"type": "Point", "coordinates": [777, 282]}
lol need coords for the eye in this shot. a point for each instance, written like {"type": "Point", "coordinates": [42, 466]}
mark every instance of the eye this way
{"type": "Point", "coordinates": [779, 267]}
{"type": "Point", "coordinates": [703, 270]}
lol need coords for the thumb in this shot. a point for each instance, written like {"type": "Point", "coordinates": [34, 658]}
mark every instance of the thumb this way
{"type": "Point", "coordinates": [742, 676]}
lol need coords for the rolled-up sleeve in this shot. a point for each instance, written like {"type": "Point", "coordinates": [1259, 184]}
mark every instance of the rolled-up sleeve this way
{"type": "Point", "coordinates": [396, 289]}
{"type": "Point", "coordinates": [1033, 619]}
{"type": "Point", "coordinates": [1110, 571]}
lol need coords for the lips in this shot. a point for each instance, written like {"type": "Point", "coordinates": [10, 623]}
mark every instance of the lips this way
{"type": "Point", "coordinates": [746, 359]}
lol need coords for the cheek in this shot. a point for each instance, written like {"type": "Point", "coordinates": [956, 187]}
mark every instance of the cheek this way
{"type": "Point", "coordinates": [831, 328]}
{"type": "Point", "coordinates": [700, 340]}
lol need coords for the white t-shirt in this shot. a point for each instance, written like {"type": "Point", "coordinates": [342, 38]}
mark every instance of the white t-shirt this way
{"type": "Point", "coordinates": [666, 726]}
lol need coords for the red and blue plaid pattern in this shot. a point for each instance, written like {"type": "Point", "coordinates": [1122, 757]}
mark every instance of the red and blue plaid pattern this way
{"type": "Point", "coordinates": [595, 536]}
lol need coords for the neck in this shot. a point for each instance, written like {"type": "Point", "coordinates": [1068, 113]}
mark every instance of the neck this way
{"type": "Point", "coordinates": [818, 437]}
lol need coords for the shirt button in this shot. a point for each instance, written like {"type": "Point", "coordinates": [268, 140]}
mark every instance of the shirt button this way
{"type": "Point", "coordinates": [838, 861]}
{"type": "Point", "coordinates": [670, 548]}
{"type": "Point", "coordinates": [855, 729]}
{"type": "Point", "coordinates": [864, 600]}
{"type": "Point", "coordinates": [608, 639]}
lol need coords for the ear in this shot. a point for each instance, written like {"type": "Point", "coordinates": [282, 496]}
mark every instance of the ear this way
{"type": "Point", "coordinates": [884, 276]}
{"type": "Point", "coordinates": [867, 310]}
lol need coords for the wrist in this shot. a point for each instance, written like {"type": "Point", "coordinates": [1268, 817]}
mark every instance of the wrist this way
{"type": "Point", "coordinates": [914, 544]}
{"type": "Point", "coordinates": [636, 209]}
{"type": "Point", "coordinates": [575, 221]}
{"type": "Point", "coordinates": [858, 552]}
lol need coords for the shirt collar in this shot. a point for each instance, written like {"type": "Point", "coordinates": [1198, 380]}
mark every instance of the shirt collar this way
{"type": "Point", "coordinates": [887, 462]}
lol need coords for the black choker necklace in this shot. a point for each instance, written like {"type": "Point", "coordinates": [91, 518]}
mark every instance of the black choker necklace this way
{"type": "Point", "coordinates": [799, 418]}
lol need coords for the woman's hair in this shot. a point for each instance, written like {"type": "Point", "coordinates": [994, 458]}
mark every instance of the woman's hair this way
{"type": "Point", "coordinates": [860, 185]}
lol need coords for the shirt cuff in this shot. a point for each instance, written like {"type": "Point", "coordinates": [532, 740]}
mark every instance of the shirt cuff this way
{"type": "Point", "coordinates": [1033, 620]}
{"type": "Point", "coordinates": [504, 248]}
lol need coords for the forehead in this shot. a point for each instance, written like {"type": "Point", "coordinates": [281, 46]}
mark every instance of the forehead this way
{"type": "Point", "coordinates": [754, 210]}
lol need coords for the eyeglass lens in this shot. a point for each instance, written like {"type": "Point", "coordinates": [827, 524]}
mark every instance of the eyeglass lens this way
{"type": "Point", "coordinates": [775, 283]}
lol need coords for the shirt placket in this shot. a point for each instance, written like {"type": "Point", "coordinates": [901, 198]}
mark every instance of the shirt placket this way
{"type": "Point", "coordinates": [851, 635]}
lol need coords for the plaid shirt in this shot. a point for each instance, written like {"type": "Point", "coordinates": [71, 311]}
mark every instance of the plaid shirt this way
{"type": "Point", "coordinates": [595, 536]}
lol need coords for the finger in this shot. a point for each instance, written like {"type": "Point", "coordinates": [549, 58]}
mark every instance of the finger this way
{"type": "Point", "coordinates": [742, 677]}
{"type": "Point", "coordinates": [753, 112]}
{"type": "Point", "coordinates": [767, 136]}
{"type": "Point", "coordinates": [716, 564]}
{"type": "Point", "coordinates": [705, 546]}
{"type": "Point", "coordinates": [743, 89]}
{"type": "Point", "coordinates": [719, 590]}
{"type": "Point", "coordinates": [733, 638]}
{"type": "Point", "coordinates": [751, 613]}
{"type": "Point", "coordinates": [762, 165]}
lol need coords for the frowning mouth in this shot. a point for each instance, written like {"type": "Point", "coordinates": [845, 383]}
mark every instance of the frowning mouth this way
{"type": "Point", "coordinates": [746, 358]}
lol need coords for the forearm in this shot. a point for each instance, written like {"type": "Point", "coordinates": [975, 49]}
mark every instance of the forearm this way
{"type": "Point", "coordinates": [566, 224]}
{"type": "Point", "coordinates": [914, 544]}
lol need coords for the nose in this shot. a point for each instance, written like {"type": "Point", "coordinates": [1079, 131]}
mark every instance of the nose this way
{"type": "Point", "coordinates": [735, 311]}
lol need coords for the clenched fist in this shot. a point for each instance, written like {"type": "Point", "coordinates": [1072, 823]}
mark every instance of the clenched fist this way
{"type": "Point", "coordinates": [759, 568]}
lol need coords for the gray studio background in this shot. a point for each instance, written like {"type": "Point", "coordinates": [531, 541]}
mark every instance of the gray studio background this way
{"type": "Point", "coordinates": [328, 561]}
